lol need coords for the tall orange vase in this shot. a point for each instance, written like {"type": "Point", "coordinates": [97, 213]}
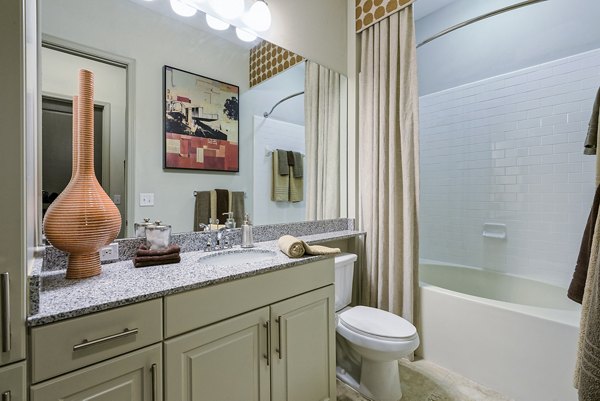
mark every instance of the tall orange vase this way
{"type": "Point", "coordinates": [83, 219]}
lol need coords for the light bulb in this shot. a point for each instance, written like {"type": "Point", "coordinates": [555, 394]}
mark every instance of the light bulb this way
{"type": "Point", "coordinates": [182, 9]}
{"type": "Point", "coordinates": [258, 17]}
{"type": "Point", "coordinates": [216, 23]}
{"type": "Point", "coordinates": [244, 35]}
{"type": "Point", "coordinates": [228, 9]}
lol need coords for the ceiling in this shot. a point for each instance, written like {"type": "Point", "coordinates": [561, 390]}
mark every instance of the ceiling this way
{"type": "Point", "coordinates": [426, 7]}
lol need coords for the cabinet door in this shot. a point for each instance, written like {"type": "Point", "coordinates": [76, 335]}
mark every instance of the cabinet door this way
{"type": "Point", "coordinates": [136, 376]}
{"type": "Point", "coordinates": [12, 382]}
{"type": "Point", "coordinates": [222, 362]}
{"type": "Point", "coordinates": [303, 354]}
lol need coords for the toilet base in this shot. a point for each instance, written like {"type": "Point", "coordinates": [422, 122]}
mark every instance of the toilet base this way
{"type": "Point", "coordinates": [380, 381]}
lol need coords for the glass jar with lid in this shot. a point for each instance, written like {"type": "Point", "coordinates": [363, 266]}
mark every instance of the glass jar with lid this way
{"type": "Point", "coordinates": [158, 236]}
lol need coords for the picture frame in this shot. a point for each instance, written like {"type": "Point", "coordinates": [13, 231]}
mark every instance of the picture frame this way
{"type": "Point", "coordinates": [200, 122]}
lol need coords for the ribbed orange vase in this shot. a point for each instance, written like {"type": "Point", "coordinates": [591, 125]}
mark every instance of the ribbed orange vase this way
{"type": "Point", "coordinates": [83, 219]}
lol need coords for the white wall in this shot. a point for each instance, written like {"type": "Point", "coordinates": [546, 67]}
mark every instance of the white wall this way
{"type": "Point", "coordinates": [60, 78]}
{"type": "Point", "coordinates": [520, 38]}
{"type": "Point", "coordinates": [314, 29]}
{"type": "Point", "coordinates": [284, 129]}
{"type": "Point", "coordinates": [153, 40]}
{"type": "Point", "coordinates": [509, 149]}
{"type": "Point", "coordinates": [275, 134]}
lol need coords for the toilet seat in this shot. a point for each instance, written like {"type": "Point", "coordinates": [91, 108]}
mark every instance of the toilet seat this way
{"type": "Point", "coordinates": [377, 323]}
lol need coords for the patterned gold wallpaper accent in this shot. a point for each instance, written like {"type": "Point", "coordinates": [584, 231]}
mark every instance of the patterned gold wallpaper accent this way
{"type": "Point", "coordinates": [268, 60]}
{"type": "Point", "coordinates": [368, 12]}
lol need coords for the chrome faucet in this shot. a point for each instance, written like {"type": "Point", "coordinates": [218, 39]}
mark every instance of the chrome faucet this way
{"type": "Point", "coordinates": [217, 239]}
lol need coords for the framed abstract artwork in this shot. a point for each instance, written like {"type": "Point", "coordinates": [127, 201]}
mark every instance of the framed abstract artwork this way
{"type": "Point", "coordinates": [200, 122]}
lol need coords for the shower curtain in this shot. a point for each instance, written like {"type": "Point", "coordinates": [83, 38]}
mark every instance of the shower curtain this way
{"type": "Point", "coordinates": [388, 164]}
{"type": "Point", "coordinates": [322, 124]}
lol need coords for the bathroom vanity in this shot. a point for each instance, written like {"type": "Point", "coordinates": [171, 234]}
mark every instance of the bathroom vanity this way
{"type": "Point", "coordinates": [261, 330]}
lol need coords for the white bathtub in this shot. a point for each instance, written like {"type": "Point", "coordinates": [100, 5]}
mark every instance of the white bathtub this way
{"type": "Point", "coordinates": [511, 334]}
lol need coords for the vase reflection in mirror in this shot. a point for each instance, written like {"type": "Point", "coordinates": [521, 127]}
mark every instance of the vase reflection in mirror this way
{"type": "Point", "coordinates": [83, 219]}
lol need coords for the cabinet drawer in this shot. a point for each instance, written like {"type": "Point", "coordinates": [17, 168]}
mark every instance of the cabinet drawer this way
{"type": "Point", "coordinates": [193, 309]}
{"type": "Point", "coordinates": [65, 346]}
{"type": "Point", "coordinates": [136, 376]}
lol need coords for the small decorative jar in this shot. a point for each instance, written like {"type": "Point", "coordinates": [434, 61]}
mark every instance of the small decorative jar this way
{"type": "Point", "coordinates": [140, 228]}
{"type": "Point", "coordinates": [158, 236]}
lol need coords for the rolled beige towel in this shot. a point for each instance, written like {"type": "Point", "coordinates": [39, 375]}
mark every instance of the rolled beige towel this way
{"type": "Point", "coordinates": [291, 246]}
{"type": "Point", "coordinates": [320, 249]}
{"type": "Point", "coordinates": [295, 248]}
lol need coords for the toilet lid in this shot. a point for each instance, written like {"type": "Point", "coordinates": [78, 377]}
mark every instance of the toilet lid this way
{"type": "Point", "coordinates": [377, 322]}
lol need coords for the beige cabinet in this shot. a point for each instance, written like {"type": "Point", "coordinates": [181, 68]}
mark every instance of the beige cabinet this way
{"type": "Point", "coordinates": [303, 367]}
{"type": "Point", "coordinates": [223, 362]}
{"type": "Point", "coordinates": [12, 383]}
{"type": "Point", "coordinates": [135, 376]}
{"type": "Point", "coordinates": [285, 351]}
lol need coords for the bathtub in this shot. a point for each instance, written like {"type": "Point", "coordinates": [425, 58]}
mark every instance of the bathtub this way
{"type": "Point", "coordinates": [511, 334]}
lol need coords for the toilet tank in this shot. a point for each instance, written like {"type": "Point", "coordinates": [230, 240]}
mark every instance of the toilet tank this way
{"type": "Point", "coordinates": [344, 271]}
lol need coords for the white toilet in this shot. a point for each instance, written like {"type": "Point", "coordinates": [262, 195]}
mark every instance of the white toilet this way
{"type": "Point", "coordinates": [380, 338]}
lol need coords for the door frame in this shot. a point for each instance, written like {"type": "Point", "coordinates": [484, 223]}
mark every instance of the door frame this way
{"type": "Point", "coordinates": [66, 46]}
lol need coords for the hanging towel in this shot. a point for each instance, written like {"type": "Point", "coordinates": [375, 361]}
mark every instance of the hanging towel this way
{"type": "Point", "coordinates": [296, 187]}
{"type": "Point", "coordinates": [589, 364]}
{"type": "Point", "coordinates": [298, 165]}
{"type": "Point", "coordinates": [290, 157]}
{"type": "Point", "coordinates": [577, 286]}
{"type": "Point", "coordinates": [282, 162]}
{"type": "Point", "coordinates": [280, 184]}
{"type": "Point", "coordinates": [201, 209]}
{"type": "Point", "coordinates": [591, 140]}
{"type": "Point", "coordinates": [213, 205]}
{"type": "Point", "coordinates": [222, 204]}
{"type": "Point", "coordinates": [592, 274]}
{"type": "Point", "coordinates": [238, 207]}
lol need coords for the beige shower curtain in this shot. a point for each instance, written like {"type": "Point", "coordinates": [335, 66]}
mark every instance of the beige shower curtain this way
{"type": "Point", "coordinates": [389, 164]}
{"type": "Point", "coordinates": [322, 124]}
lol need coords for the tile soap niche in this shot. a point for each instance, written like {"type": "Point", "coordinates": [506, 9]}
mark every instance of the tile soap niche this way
{"type": "Point", "coordinates": [494, 230]}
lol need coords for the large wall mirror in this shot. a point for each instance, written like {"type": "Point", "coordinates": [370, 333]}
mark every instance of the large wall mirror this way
{"type": "Point", "coordinates": [127, 43]}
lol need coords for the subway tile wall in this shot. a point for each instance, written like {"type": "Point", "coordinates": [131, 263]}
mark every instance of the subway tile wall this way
{"type": "Point", "coordinates": [509, 150]}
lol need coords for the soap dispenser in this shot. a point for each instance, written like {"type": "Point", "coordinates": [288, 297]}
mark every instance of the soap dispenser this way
{"type": "Point", "coordinates": [247, 238]}
{"type": "Point", "coordinates": [230, 222]}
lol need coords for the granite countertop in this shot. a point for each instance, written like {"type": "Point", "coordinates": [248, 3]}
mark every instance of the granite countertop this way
{"type": "Point", "coordinates": [121, 284]}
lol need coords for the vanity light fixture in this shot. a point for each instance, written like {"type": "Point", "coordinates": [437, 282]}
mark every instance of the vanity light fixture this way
{"type": "Point", "coordinates": [228, 9]}
{"type": "Point", "coordinates": [244, 35]}
{"type": "Point", "coordinates": [258, 18]}
{"type": "Point", "coordinates": [182, 8]}
{"type": "Point", "coordinates": [216, 23]}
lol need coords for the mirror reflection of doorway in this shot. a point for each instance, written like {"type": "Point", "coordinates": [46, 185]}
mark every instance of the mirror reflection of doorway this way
{"type": "Point", "coordinates": [60, 68]}
{"type": "Point", "coordinates": [57, 126]}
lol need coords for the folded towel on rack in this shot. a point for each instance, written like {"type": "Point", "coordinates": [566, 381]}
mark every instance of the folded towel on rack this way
{"type": "Point", "coordinates": [577, 286]}
{"type": "Point", "coordinates": [298, 165]}
{"type": "Point", "coordinates": [280, 184]}
{"type": "Point", "coordinates": [238, 207]}
{"type": "Point", "coordinates": [290, 157]}
{"type": "Point", "coordinates": [296, 248]}
{"type": "Point", "coordinates": [591, 140]}
{"type": "Point", "coordinates": [213, 205]}
{"type": "Point", "coordinates": [296, 187]}
{"type": "Point", "coordinates": [282, 162]}
{"type": "Point", "coordinates": [222, 204]}
{"type": "Point", "coordinates": [201, 209]}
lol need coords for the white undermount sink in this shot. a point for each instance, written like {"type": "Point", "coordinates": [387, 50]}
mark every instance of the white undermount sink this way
{"type": "Point", "coordinates": [234, 257]}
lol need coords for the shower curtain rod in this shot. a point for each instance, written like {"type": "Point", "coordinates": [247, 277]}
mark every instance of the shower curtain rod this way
{"type": "Point", "coordinates": [481, 17]}
{"type": "Point", "coordinates": [266, 115]}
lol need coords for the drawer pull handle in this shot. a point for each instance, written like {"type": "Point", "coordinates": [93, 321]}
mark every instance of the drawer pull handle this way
{"type": "Point", "coordinates": [85, 343]}
{"type": "Point", "coordinates": [6, 396]}
{"type": "Point", "coordinates": [267, 356]}
{"type": "Point", "coordinates": [154, 381]}
{"type": "Point", "coordinates": [278, 349]}
{"type": "Point", "coordinates": [5, 314]}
